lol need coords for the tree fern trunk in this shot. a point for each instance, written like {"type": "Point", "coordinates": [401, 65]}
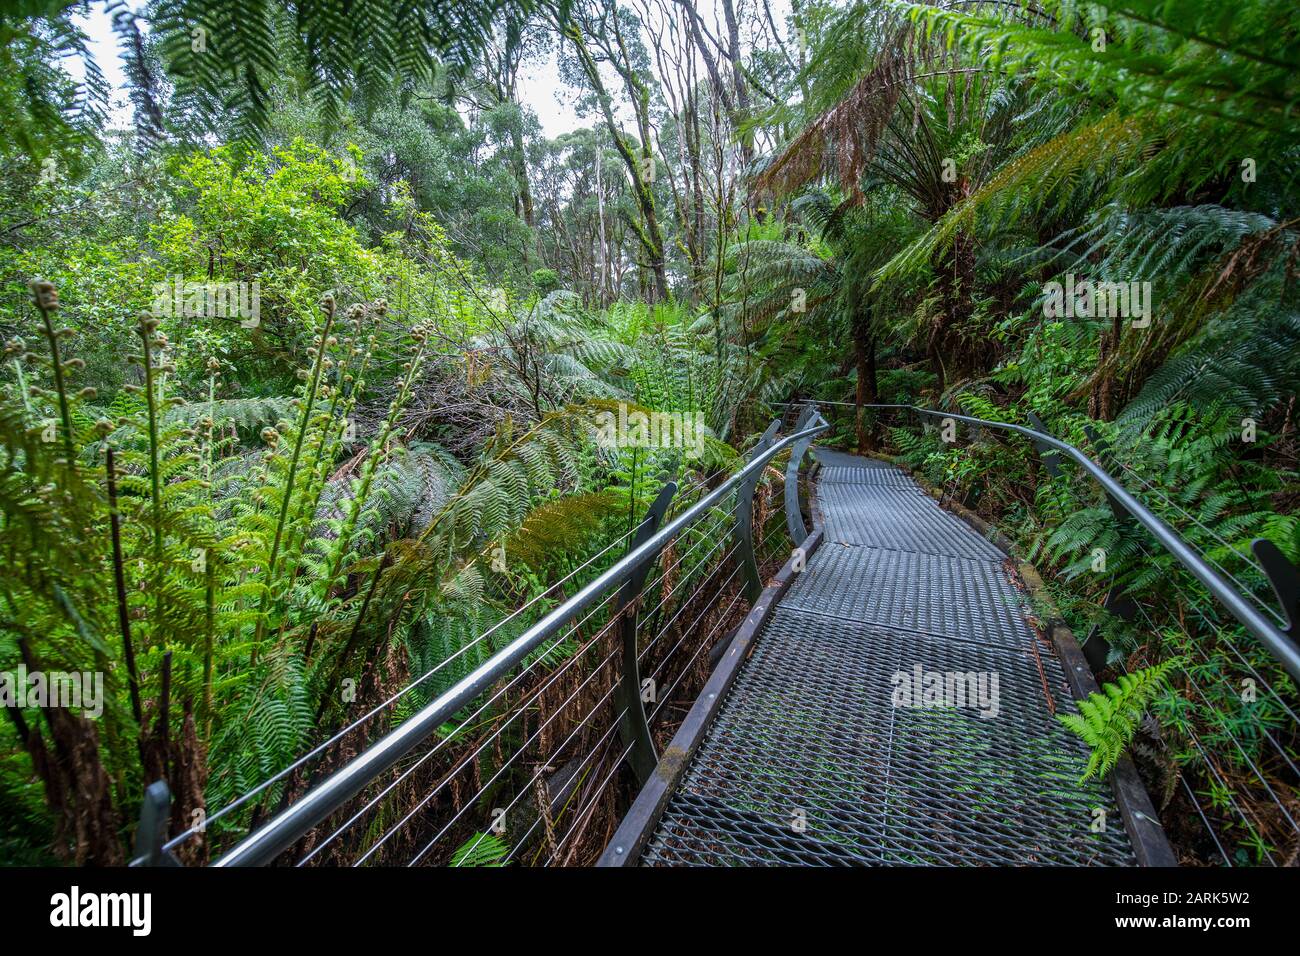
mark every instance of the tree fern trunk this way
{"type": "Point", "coordinates": [951, 355]}
{"type": "Point", "coordinates": [864, 355]}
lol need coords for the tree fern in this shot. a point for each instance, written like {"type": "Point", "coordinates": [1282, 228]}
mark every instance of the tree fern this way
{"type": "Point", "coordinates": [337, 47]}
{"type": "Point", "coordinates": [1245, 362]}
{"type": "Point", "coordinates": [47, 114]}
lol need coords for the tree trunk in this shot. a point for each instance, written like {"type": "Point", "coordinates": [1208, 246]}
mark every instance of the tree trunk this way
{"type": "Point", "coordinates": [738, 78]}
{"type": "Point", "coordinates": [867, 393]}
{"type": "Point", "coordinates": [639, 167]}
{"type": "Point", "coordinates": [951, 354]}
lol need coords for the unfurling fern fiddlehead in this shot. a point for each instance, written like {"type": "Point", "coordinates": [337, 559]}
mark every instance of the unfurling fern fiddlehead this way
{"type": "Point", "coordinates": [378, 454]}
{"type": "Point", "coordinates": [308, 405]}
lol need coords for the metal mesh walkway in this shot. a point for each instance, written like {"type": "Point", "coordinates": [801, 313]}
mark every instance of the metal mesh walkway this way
{"type": "Point", "coordinates": [812, 761]}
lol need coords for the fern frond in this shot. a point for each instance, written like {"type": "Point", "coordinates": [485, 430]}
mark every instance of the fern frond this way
{"type": "Point", "coordinates": [1107, 721]}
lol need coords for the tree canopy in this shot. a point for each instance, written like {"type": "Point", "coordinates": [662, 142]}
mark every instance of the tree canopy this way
{"type": "Point", "coordinates": [304, 352]}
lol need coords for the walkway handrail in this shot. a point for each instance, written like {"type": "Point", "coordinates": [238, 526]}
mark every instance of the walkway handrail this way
{"type": "Point", "coordinates": [1278, 643]}
{"type": "Point", "coordinates": [288, 826]}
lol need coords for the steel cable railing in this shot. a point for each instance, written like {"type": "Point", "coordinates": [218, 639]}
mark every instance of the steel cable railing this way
{"type": "Point", "coordinates": [591, 803]}
{"type": "Point", "coordinates": [529, 786]}
{"type": "Point", "coordinates": [465, 722]}
{"type": "Point", "coordinates": [1249, 769]}
{"type": "Point", "coordinates": [596, 755]}
{"type": "Point", "coordinates": [517, 710]}
{"type": "Point", "coordinates": [338, 736]}
{"type": "Point", "coordinates": [336, 792]}
{"type": "Point", "coordinates": [1250, 819]}
{"type": "Point", "coordinates": [1283, 647]}
{"type": "Point", "coordinates": [650, 645]}
{"type": "Point", "coordinates": [1249, 561]}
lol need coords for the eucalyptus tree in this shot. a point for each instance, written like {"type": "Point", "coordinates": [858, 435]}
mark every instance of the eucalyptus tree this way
{"type": "Point", "coordinates": [582, 206]}
{"type": "Point", "coordinates": [601, 33]}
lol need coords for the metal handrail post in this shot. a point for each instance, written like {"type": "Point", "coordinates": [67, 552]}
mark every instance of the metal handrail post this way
{"type": "Point", "coordinates": [286, 827]}
{"type": "Point", "coordinates": [151, 834]}
{"type": "Point", "coordinates": [1051, 460]}
{"type": "Point", "coordinates": [793, 506]}
{"type": "Point", "coordinates": [1278, 643]}
{"type": "Point", "coordinates": [633, 726]}
{"type": "Point", "coordinates": [743, 529]}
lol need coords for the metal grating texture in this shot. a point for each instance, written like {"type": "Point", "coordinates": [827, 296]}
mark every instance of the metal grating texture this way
{"type": "Point", "coordinates": [882, 516]}
{"type": "Point", "coordinates": [833, 459]}
{"type": "Point", "coordinates": [888, 477]}
{"type": "Point", "coordinates": [810, 761]}
{"type": "Point", "coordinates": [912, 591]}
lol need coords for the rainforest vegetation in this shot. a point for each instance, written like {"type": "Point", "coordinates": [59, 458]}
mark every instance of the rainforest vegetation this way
{"type": "Point", "coordinates": [303, 346]}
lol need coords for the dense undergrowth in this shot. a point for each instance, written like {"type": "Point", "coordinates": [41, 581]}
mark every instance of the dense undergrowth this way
{"type": "Point", "coordinates": [245, 551]}
{"type": "Point", "coordinates": [302, 374]}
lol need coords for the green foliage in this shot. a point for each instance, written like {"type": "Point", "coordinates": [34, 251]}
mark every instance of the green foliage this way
{"type": "Point", "coordinates": [335, 50]}
{"type": "Point", "coordinates": [47, 115]}
{"type": "Point", "coordinates": [482, 849]}
{"type": "Point", "coordinates": [1182, 60]}
{"type": "Point", "coordinates": [1107, 721]}
{"type": "Point", "coordinates": [447, 299]}
{"type": "Point", "coordinates": [1244, 362]}
{"type": "Point", "coordinates": [563, 527]}
{"type": "Point", "coordinates": [545, 281]}
{"type": "Point", "coordinates": [240, 549]}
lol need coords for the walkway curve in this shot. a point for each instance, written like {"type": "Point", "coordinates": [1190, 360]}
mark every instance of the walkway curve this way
{"type": "Point", "coordinates": [810, 760]}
